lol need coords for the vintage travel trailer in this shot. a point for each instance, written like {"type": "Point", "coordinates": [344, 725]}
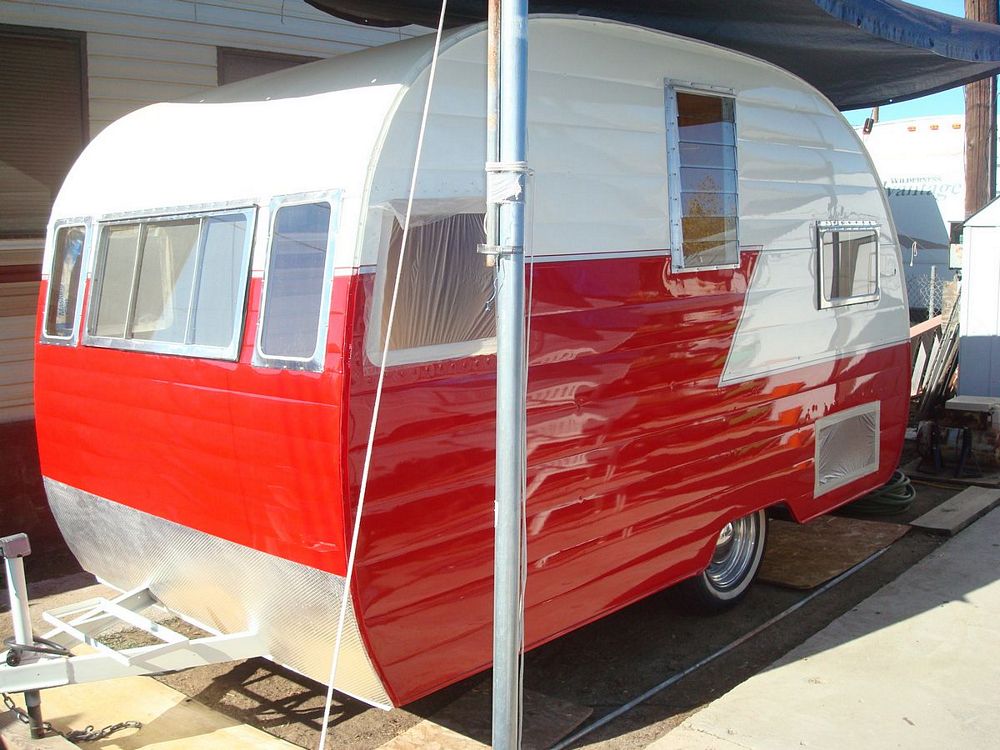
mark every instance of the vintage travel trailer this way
{"type": "Point", "coordinates": [718, 327]}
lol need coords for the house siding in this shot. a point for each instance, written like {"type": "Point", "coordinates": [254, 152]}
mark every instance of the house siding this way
{"type": "Point", "coordinates": [137, 53]}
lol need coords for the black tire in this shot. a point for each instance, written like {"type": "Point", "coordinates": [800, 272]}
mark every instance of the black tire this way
{"type": "Point", "coordinates": [734, 565]}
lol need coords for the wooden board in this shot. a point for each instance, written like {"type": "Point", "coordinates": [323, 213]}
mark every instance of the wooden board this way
{"type": "Point", "coordinates": [984, 477]}
{"type": "Point", "coordinates": [804, 556]}
{"type": "Point", "coordinates": [957, 512]}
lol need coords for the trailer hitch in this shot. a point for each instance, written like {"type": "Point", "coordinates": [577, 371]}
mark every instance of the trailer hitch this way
{"type": "Point", "coordinates": [14, 549]}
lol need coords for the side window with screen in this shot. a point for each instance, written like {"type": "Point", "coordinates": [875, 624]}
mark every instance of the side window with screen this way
{"type": "Point", "coordinates": [65, 275]}
{"type": "Point", "coordinates": [442, 306]}
{"type": "Point", "coordinates": [173, 285]}
{"type": "Point", "coordinates": [296, 292]}
{"type": "Point", "coordinates": [848, 263]}
{"type": "Point", "coordinates": [701, 161]}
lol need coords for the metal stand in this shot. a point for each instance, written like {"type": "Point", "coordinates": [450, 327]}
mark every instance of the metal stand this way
{"type": "Point", "coordinates": [14, 549]}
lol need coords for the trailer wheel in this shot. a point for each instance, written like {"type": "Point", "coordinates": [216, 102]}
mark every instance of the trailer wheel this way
{"type": "Point", "coordinates": [735, 562]}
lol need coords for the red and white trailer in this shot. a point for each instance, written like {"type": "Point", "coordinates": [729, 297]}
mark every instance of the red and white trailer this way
{"type": "Point", "coordinates": [718, 326]}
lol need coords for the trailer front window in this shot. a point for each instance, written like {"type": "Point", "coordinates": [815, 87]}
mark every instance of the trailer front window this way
{"type": "Point", "coordinates": [848, 263]}
{"type": "Point", "coordinates": [701, 146]}
{"type": "Point", "coordinates": [64, 282]}
{"type": "Point", "coordinates": [294, 283]}
{"type": "Point", "coordinates": [173, 285]}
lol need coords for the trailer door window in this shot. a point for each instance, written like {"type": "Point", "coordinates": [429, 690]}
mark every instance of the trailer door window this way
{"type": "Point", "coordinates": [63, 296]}
{"type": "Point", "coordinates": [848, 264]}
{"type": "Point", "coordinates": [701, 149]}
{"type": "Point", "coordinates": [296, 288]}
{"type": "Point", "coordinates": [173, 285]}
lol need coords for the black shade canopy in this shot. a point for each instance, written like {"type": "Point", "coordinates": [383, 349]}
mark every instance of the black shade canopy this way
{"type": "Point", "coordinates": [860, 53]}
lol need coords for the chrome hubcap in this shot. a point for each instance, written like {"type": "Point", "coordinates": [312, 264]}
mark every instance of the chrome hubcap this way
{"type": "Point", "coordinates": [735, 550]}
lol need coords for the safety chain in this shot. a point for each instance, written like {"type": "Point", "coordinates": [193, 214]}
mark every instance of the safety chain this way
{"type": "Point", "coordinates": [89, 734]}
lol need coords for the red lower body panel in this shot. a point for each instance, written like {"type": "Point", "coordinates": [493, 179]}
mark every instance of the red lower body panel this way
{"type": "Point", "coordinates": [636, 459]}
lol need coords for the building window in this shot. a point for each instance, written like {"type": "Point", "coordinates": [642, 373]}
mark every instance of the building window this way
{"type": "Point", "coordinates": [445, 287]}
{"type": "Point", "coordinates": [848, 263]}
{"type": "Point", "coordinates": [701, 160]}
{"type": "Point", "coordinates": [239, 64]}
{"type": "Point", "coordinates": [173, 285]}
{"type": "Point", "coordinates": [42, 124]}
{"type": "Point", "coordinates": [296, 296]}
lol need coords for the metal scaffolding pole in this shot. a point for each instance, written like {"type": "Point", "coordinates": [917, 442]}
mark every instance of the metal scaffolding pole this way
{"type": "Point", "coordinates": [506, 182]}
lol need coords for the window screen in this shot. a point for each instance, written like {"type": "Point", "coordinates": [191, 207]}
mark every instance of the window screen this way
{"type": "Point", "coordinates": [701, 134]}
{"type": "Point", "coordinates": [444, 287]}
{"type": "Point", "coordinates": [64, 282]}
{"type": "Point", "coordinates": [293, 291]}
{"type": "Point", "coordinates": [42, 124]}
{"type": "Point", "coordinates": [848, 265]}
{"type": "Point", "coordinates": [173, 286]}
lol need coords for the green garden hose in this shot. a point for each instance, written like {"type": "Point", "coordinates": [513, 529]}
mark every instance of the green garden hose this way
{"type": "Point", "coordinates": [891, 498]}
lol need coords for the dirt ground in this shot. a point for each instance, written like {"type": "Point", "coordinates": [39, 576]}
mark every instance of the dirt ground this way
{"type": "Point", "coordinates": [596, 668]}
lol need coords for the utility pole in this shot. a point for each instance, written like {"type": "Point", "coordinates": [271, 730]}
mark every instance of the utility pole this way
{"type": "Point", "coordinates": [506, 184]}
{"type": "Point", "coordinates": [980, 124]}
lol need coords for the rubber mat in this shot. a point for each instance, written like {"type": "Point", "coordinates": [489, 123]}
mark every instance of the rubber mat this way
{"type": "Point", "coordinates": [804, 556]}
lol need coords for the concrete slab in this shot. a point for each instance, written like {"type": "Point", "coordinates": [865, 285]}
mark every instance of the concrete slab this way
{"type": "Point", "coordinates": [913, 666]}
{"type": "Point", "coordinates": [955, 514]}
{"type": "Point", "coordinates": [171, 720]}
{"type": "Point", "coordinates": [15, 736]}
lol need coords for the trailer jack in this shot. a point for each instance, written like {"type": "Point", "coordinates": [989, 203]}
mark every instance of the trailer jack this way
{"type": "Point", "coordinates": [72, 652]}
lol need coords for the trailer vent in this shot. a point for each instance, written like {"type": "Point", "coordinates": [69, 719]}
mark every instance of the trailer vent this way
{"type": "Point", "coordinates": [847, 446]}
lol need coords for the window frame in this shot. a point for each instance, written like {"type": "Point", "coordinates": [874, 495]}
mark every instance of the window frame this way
{"type": "Point", "coordinates": [848, 226]}
{"type": "Point", "coordinates": [431, 353]}
{"type": "Point", "coordinates": [317, 360]}
{"type": "Point", "coordinates": [675, 211]}
{"type": "Point", "coordinates": [85, 260]}
{"type": "Point", "coordinates": [143, 219]}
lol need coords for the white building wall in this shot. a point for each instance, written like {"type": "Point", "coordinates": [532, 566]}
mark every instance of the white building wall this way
{"type": "Point", "coordinates": [140, 52]}
{"type": "Point", "coordinates": [147, 51]}
{"type": "Point", "coordinates": [979, 315]}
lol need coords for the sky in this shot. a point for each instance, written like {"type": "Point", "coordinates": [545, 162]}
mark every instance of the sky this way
{"type": "Point", "coordinates": [950, 102]}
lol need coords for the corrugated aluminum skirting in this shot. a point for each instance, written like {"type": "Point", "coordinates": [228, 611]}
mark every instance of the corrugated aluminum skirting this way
{"type": "Point", "coordinates": [224, 586]}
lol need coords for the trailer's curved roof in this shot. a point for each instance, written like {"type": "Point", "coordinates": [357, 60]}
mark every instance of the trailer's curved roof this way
{"type": "Point", "coordinates": [858, 52]}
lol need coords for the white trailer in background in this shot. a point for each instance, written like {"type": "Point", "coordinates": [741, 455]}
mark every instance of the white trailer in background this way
{"type": "Point", "coordinates": [921, 162]}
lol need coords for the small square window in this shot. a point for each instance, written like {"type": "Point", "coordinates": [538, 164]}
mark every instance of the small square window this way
{"type": "Point", "coordinates": [848, 264]}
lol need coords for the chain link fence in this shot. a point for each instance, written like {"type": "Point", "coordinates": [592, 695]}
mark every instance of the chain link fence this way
{"type": "Point", "coordinates": [927, 291]}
